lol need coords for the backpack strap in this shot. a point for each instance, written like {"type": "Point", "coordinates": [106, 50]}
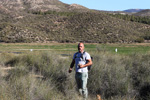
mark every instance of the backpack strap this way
{"type": "Point", "coordinates": [82, 55]}
{"type": "Point", "coordinates": [85, 57]}
{"type": "Point", "coordinates": [76, 54]}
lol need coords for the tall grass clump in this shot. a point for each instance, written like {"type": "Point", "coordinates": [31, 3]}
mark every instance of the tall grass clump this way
{"type": "Point", "coordinates": [140, 75]}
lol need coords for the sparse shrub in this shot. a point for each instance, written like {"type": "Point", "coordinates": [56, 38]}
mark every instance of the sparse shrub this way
{"type": "Point", "coordinates": [139, 73]}
{"type": "Point", "coordinates": [108, 76]}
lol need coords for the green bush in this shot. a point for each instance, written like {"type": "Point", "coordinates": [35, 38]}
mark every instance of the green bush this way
{"type": "Point", "coordinates": [139, 40]}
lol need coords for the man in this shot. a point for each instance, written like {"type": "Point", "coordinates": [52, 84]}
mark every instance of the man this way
{"type": "Point", "coordinates": [81, 59]}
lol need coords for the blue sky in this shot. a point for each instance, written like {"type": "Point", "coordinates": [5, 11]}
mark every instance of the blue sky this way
{"type": "Point", "coordinates": [111, 5]}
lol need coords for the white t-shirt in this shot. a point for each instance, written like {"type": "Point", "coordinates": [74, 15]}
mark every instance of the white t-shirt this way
{"type": "Point", "coordinates": [79, 59]}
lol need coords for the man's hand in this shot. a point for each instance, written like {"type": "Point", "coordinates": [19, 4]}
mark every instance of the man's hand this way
{"type": "Point", "coordinates": [81, 65]}
{"type": "Point", "coordinates": [70, 70]}
{"type": "Point", "coordinates": [88, 64]}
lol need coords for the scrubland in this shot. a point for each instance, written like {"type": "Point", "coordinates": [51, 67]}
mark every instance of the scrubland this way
{"type": "Point", "coordinates": [43, 75]}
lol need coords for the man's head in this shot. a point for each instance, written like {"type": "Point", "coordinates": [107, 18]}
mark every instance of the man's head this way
{"type": "Point", "coordinates": [81, 47]}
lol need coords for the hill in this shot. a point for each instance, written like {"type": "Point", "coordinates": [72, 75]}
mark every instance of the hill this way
{"type": "Point", "coordinates": [143, 13]}
{"type": "Point", "coordinates": [39, 5]}
{"type": "Point", "coordinates": [54, 21]}
{"type": "Point", "coordinates": [133, 10]}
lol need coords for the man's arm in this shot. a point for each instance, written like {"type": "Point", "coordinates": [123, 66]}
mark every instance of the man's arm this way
{"type": "Point", "coordinates": [87, 64]}
{"type": "Point", "coordinates": [71, 65]}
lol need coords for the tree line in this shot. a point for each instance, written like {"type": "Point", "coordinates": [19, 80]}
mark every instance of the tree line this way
{"type": "Point", "coordinates": [133, 18]}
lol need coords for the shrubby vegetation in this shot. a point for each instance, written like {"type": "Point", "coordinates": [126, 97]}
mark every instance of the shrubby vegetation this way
{"type": "Point", "coordinates": [139, 19]}
{"type": "Point", "coordinates": [54, 21]}
{"type": "Point", "coordinates": [44, 76]}
{"type": "Point", "coordinates": [91, 27]}
{"type": "Point", "coordinates": [53, 13]}
{"type": "Point", "coordinates": [133, 18]}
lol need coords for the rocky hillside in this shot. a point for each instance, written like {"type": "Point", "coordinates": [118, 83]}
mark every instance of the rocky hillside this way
{"type": "Point", "coordinates": [32, 4]}
{"type": "Point", "coordinates": [38, 5]}
{"type": "Point", "coordinates": [54, 21]}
